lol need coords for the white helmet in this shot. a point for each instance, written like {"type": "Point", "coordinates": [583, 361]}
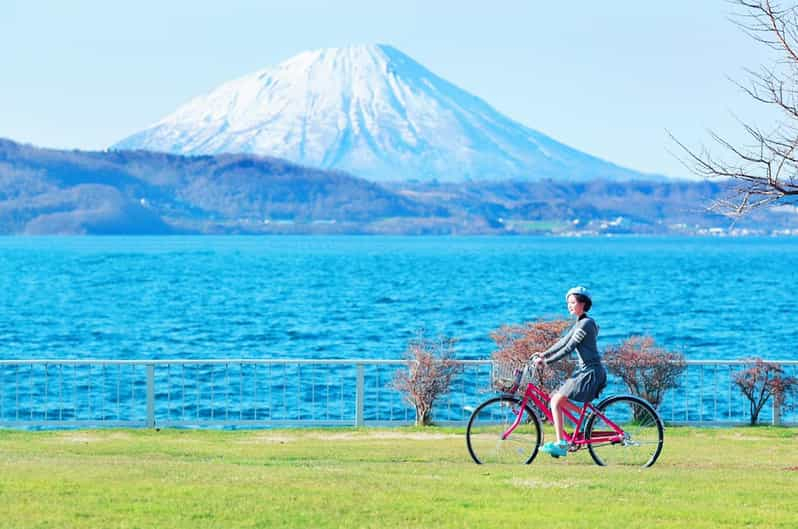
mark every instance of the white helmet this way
{"type": "Point", "coordinates": [579, 290]}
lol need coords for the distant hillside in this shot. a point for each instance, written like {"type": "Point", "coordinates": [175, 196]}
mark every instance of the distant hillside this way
{"type": "Point", "coordinates": [52, 191]}
{"type": "Point", "coordinates": [47, 191]}
{"type": "Point", "coordinates": [548, 206]}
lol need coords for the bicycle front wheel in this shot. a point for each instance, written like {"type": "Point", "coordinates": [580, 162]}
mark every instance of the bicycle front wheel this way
{"type": "Point", "coordinates": [641, 441]}
{"type": "Point", "coordinates": [487, 438]}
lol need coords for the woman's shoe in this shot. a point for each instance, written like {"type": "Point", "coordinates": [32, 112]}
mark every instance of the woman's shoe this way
{"type": "Point", "coordinates": [556, 449]}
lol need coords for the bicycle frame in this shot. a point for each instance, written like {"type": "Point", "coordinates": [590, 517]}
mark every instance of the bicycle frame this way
{"type": "Point", "coordinates": [541, 399]}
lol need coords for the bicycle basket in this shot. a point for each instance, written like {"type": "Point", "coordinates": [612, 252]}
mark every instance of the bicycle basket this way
{"type": "Point", "coordinates": [506, 376]}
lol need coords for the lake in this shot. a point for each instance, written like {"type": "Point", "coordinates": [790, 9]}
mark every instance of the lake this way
{"type": "Point", "coordinates": [365, 297]}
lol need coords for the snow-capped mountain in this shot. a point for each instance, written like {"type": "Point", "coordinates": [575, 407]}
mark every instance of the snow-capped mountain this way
{"type": "Point", "coordinates": [372, 111]}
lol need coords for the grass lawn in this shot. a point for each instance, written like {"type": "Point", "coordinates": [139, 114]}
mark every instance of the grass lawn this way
{"type": "Point", "coordinates": [403, 478]}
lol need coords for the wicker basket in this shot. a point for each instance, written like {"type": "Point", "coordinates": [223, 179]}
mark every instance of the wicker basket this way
{"type": "Point", "coordinates": [506, 376]}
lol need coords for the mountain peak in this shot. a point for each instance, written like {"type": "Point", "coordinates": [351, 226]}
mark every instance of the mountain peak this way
{"type": "Point", "coordinates": [353, 52]}
{"type": "Point", "coordinates": [372, 59]}
{"type": "Point", "coordinates": [362, 52]}
{"type": "Point", "coordinates": [371, 110]}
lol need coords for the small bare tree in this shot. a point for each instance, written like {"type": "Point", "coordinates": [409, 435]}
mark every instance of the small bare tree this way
{"type": "Point", "coordinates": [762, 381]}
{"type": "Point", "coordinates": [766, 171]}
{"type": "Point", "coordinates": [430, 369]}
{"type": "Point", "coordinates": [517, 343]}
{"type": "Point", "coordinates": [647, 370]}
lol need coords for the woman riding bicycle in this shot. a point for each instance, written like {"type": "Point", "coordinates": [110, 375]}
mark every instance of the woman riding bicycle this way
{"type": "Point", "coordinates": [587, 381]}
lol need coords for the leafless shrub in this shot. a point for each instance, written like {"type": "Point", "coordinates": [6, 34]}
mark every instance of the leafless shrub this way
{"type": "Point", "coordinates": [762, 381]}
{"type": "Point", "coordinates": [647, 370]}
{"type": "Point", "coordinates": [430, 369]}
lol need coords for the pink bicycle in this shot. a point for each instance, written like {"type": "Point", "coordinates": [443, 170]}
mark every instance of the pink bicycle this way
{"type": "Point", "coordinates": [619, 430]}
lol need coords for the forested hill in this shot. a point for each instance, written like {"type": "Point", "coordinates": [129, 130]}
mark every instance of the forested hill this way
{"type": "Point", "coordinates": [48, 191]}
{"type": "Point", "coordinates": [52, 191]}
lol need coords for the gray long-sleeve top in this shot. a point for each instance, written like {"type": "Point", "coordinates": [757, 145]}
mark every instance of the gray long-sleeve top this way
{"type": "Point", "coordinates": [582, 339]}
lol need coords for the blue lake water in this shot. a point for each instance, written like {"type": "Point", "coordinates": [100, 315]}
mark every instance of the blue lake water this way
{"type": "Point", "coordinates": [365, 297]}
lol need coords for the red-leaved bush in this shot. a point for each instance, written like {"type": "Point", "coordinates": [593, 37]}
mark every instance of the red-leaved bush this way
{"type": "Point", "coordinates": [430, 369]}
{"type": "Point", "coordinates": [517, 343]}
{"type": "Point", "coordinates": [647, 370]}
{"type": "Point", "coordinates": [762, 381]}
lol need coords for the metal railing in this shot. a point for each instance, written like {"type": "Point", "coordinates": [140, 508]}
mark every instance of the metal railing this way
{"type": "Point", "coordinates": [242, 393]}
{"type": "Point", "coordinates": [708, 395]}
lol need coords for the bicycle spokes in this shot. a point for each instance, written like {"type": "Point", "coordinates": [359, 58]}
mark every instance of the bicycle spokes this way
{"type": "Point", "coordinates": [500, 431]}
{"type": "Point", "coordinates": [625, 431]}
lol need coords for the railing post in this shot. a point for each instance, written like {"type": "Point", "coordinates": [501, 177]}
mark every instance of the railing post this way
{"type": "Point", "coordinates": [776, 410]}
{"type": "Point", "coordinates": [150, 395]}
{"type": "Point", "coordinates": [360, 395]}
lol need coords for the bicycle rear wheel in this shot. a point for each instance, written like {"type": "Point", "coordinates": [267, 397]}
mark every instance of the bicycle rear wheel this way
{"type": "Point", "coordinates": [641, 442]}
{"type": "Point", "coordinates": [488, 424]}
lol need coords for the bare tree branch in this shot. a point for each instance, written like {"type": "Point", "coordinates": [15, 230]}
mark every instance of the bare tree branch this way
{"type": "Point", "coordinates": [766, 171]}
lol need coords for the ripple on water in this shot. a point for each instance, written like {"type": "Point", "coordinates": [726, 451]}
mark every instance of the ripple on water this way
{"type": "Point", "coordinates": [197, 297]}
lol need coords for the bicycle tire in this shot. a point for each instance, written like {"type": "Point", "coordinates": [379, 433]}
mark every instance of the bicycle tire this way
{"type": "Point", "coordinates": [490, 420]}
{"type": "Point", "coordinates": [643, 433]}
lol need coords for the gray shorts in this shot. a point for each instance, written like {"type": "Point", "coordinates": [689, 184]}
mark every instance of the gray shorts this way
{"type": "Point", "coordinates": [585, 384]}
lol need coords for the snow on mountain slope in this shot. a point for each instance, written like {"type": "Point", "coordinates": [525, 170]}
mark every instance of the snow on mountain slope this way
{"type": "Point", "coordinates": [372, 111]}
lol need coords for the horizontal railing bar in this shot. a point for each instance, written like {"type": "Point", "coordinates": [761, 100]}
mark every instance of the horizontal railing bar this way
{"type": "Point", "coordinates": [738, 362]}
{"type": "Point", "coordinates": [216, 361]}
{"type": "Point", "coordinates": [306, 361]}
{"type": "Point", "coordinates": [298, 423]}
{"type": "Point", "coordinates": [78, 423]}
{"type": "Point", "coordinates": [261, 422]}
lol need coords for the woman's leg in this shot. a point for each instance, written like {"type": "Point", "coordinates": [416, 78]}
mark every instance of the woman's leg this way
{"type": "Point", "coordinates": [556, 412]}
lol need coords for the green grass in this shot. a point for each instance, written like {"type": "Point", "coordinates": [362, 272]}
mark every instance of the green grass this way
{"type": "Point", "coordinates": [403, 478]}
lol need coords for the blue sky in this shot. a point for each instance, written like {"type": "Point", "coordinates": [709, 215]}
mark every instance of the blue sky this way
{"type": "Point", "coordinates": [608, 78]}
